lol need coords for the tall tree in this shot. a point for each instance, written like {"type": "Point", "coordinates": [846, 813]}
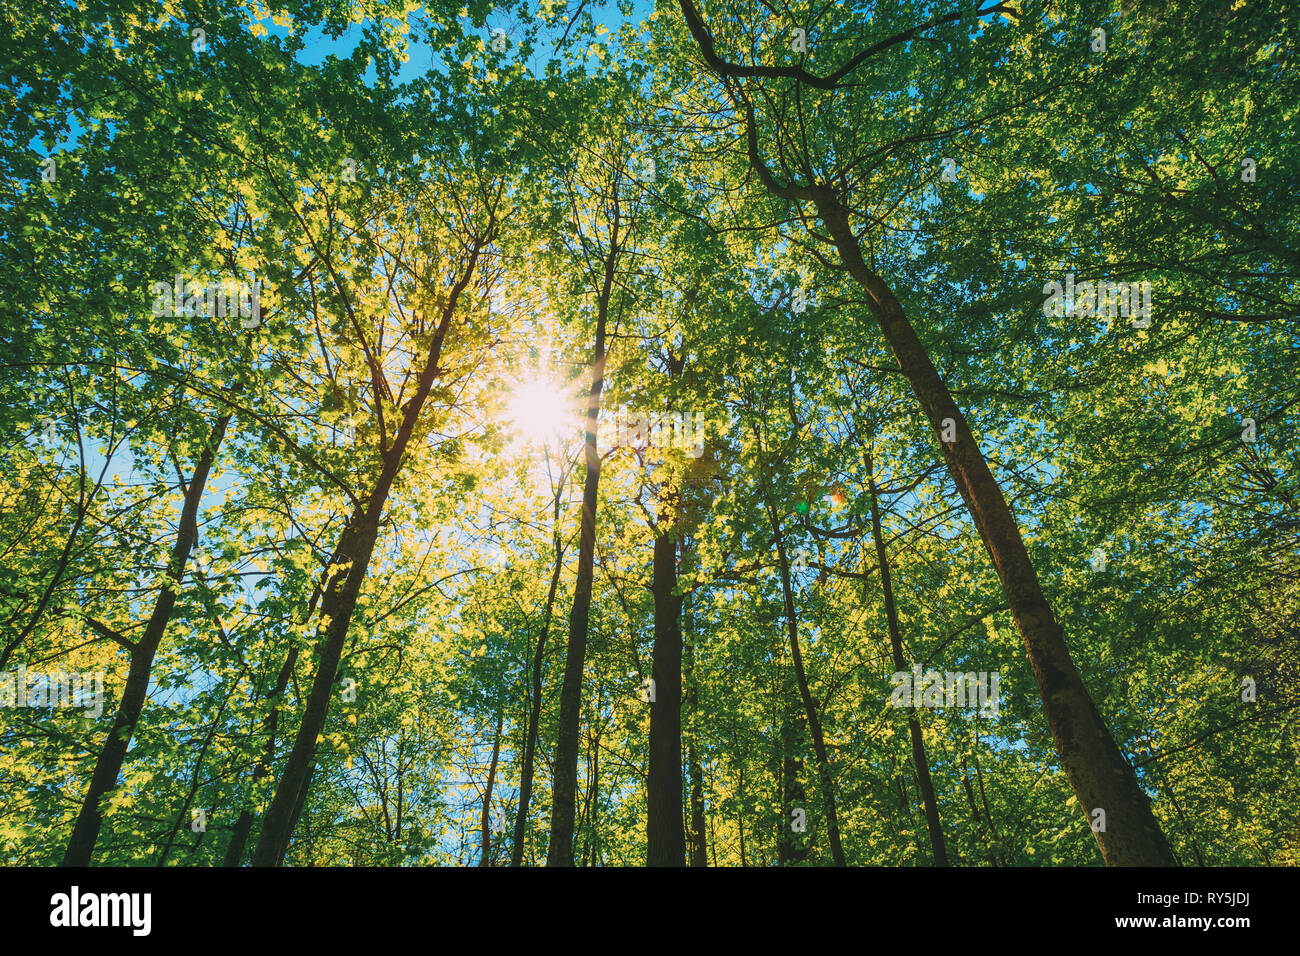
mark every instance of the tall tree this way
{"type": "Point", "coordinates": [357, 540]}
{"type": "Point", "coordinates": [919, 760]}
{"type": "Point", "coordinates": [1099, 774]}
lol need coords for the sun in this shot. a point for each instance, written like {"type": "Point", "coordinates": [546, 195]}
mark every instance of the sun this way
{"type": "Point", "coordinates": [541, 413]}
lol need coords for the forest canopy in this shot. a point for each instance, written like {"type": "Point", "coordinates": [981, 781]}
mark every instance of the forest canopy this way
{"type": "Point", "coordinates": [661, 432]}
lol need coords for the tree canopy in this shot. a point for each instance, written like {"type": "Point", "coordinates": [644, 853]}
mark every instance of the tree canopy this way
{"type": "Point", "coordinates": [683, 433]}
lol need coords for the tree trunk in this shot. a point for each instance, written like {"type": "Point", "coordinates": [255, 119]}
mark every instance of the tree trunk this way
{"type": "Point", "coordinates": [740, 817]}
{"type": "Point", "coordinates": [984, 799]}
{"type": "Point", "coordinates": [300, 802]}
{"type": "Point", "coordinates": [243, 825]}
{"type": "Point", "coordinates": [590, 841]}
{"type": "Point", "coordinates": [975, 813]}
{"type": "Point", "coordinates": [104, 779]}
{"type": "Point", "coordinates": [193, 791]}
{"type": "Point", "coordinates": [896, 645]}
{"type": "Point", "coordinates": [564, 790]}
{"type": "Point", "coordinates": [1098, 773]}
{"type": "Point", "coordinates": [535, 711]}
{"type": "Point", "coordinates": [485, 853]}
{"type": "Point", "coordinates": [697, 835]}
{"type": "Point", "coordinates": [792, 846]}
{"type": "Point", "coordinates": [356, 544]}
{"type": "Point", "coordinates": [824, 775]}
{"type": "Point", "coordinates": [665, 834]}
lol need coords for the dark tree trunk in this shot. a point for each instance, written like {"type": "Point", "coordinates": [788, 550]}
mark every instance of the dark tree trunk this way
{"type": "Point", "coordinates": [104, 779]}
{"type": "Point", "coordinates": [740, 817]}
{"type": "Point", "coordinates": [244, 825]}
{"type": "Point", "coordinates": [975, 814]}
{"type": "Point", "coordinates": [1168, 788]}
{"type": "Point", "coordinates": [665, 834]}
{"type": "Point", "coordinates": [984, 799]}
{"type": "Point", "coordinates": [356, 544]}
{"type": "Point", "coordinates": [194, 779]}
{"type": "Point", "coordinates": [535, 710]}
{"type": "Point", "coordinates": [896, 645]}
{"type": "Point", "coordinates": [485, 854]}
{"type": "Point", "coordinates": [591, 842]}
{"type": "Point", "coordinates": [697, 835]}
{"type": "Point", "coordinates": [792, 845]}
{"type": "Point", "coordinates": [824, 774]}
{"type": "Point", "coordinates": [564, 790]}
{"type": "Point", "coordinates": [559, 851]}
{"type": "Point", "coordinates": [301, 801]}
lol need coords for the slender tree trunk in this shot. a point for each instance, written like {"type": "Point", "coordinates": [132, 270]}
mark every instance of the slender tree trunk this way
{"type": "Point", "coordinates": [975, 813]}
{"type": "Point", "coordinates": [270, 724]}
{"type": "Point", "coordinates": [244, 824]}
{"type": "Point", "coordinates": [104, 779]}
{"type": "Point", "coordinates": [1097, 771]}
{"type": "Point", "coordinates": [590, 843]}
{"type": "Point", "coordinates": [535, 710]}
{"type": "Point", "coordinates": [740, 817]}
{"type": "Point", "coordinates": [665, 834]}
{"type": "Point", "coordinates": [784, 830]}
{"type": "Point", "coordinates": [356, 544]}
{"type": "Point", "coordinates": [1162, 779]}
{"type": "Point", "coordinates": [792, 845]}
{"type": "Point", "coordinates": [713, 842]}
{"type": "Point", "coordinates": [194, 777]}
{"type": "Point", "coordinates": [697, 835]}
{"type": "Point", "coordinates": [824, 774]}
{"type": "Point", "coordinates": [564, 791]}
{"type": "Point", "coordinates": [485, 853]}
{"type": "Point", "coordinates": [984, 799]}
{"type": "Point", "coordinates": [401, 789]}
{"type": "Point", "coordinates": [896, 645]}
